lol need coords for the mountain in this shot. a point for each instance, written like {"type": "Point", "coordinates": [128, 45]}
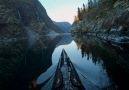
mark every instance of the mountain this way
{"type": "Point", "coordinates": [65, 26]}
{"type": "Point", "coordinates": [106, 19]}
{"type": "Point", "coordinates": [65, 40]}
{"type": "Point", "coordinates": [19, 16]}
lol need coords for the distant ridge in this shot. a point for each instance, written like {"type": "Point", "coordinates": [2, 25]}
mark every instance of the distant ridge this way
{"type": "Point", "coordinates": [20, 18]}
{"type": "Point", "coordinates": [65, 26]}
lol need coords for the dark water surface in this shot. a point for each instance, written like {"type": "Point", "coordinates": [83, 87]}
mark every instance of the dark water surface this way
{"type": "Point", "coordinates": [27, 62]}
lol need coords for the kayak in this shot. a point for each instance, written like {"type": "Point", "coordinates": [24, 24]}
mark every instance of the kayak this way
{"type": "Point", "coordinates": [66, 77]}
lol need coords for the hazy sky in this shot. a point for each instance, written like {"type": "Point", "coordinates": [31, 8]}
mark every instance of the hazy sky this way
{"type": "Point", "coordinates": [62, 10]}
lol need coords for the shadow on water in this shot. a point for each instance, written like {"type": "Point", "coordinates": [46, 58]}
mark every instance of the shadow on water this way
{"type": "Point", "coordinates": [113, 57]}
{"type": "Point", "coordinates": [22, 61]}
{"type": "Point", "coordinates": [100, 65]}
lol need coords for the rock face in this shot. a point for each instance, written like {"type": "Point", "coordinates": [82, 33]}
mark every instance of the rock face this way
{"type": "Point", "coordinates": [10, 26]}
{"type": "Point", "coordinates": [30, 14]}
{"type": "Point", "coordinates": [65, 26]}
{"type": "Point", "coordinates": [112, 26]}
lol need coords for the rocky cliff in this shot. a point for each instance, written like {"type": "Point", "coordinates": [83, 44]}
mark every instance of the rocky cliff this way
{"type": "Point", "coordinates": [107, 20]}
{"type": "Point", "coordinates": [10, 26]}
{"type": "Point", "coordinates": [19, 16]}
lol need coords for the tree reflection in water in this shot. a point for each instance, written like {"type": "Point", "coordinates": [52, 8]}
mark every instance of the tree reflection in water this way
{"type": "Point", "coordinates": [114, 57]}
{"type": "Point", "coordinates": [23, 61]}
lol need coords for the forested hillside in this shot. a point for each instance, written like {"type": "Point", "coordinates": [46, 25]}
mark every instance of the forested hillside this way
{"type": "Point", "coordinates": [105, 18]}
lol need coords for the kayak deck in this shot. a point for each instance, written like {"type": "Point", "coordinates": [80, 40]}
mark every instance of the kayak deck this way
{"type": "Point", "coordinates": [66, 77]}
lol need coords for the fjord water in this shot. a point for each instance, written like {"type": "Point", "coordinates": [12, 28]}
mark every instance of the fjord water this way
{"type": "Point", "coordinates": [31, 61]}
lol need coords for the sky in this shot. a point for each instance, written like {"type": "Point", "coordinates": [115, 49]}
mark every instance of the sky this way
{"type": "Point", "coordinates": [62, 10]}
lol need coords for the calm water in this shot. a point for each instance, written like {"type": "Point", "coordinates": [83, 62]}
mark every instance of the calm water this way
{"type": "Point", "coordinates": [27, 62]}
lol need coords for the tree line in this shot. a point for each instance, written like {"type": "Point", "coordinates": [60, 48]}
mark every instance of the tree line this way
{"type": "Point", "coordinates": [88, 10]}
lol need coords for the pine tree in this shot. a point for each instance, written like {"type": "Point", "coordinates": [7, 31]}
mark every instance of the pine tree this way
{"type": "Point", "coordinates": [75, 19]}
{"type": "Point", "coordinates": [95, 2]}
{"type": "Point", "coordinates": [90, 4]}
{"type": "Point", "coordinates": [84, 6]}
{"type": "Point", "coordinates": [79, 13]}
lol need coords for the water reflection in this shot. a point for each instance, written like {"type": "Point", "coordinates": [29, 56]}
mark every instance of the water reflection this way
{"type": "Point", "coordinates": [112, 57]}
{"type": "Point", "coordinates": [100, 64]}
{"type": "Point", "coordinates": [94, 77]}
{"type": "Point", "coordinates": [29, 63]}
{"type": "Point", "coordinates": [23, 60]}
{"type": "Point", "coordinates": [11, 56]}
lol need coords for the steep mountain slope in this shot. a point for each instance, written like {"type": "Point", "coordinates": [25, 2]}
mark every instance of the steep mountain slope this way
{"type": "Point", "coordinates": [10, 26]}
{"type": "Point", "coordinates": [65, 26]}
{"type": "Point", "coordinates": [28, 14]}
{"type": "Point", "coordinates": [107, 19]}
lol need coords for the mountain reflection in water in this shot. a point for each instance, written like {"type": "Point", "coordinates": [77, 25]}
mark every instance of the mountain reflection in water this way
{"type": "Point", "coordinates": [111, 57]}
{"type": "Point", "coordinates": [29, 63]}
